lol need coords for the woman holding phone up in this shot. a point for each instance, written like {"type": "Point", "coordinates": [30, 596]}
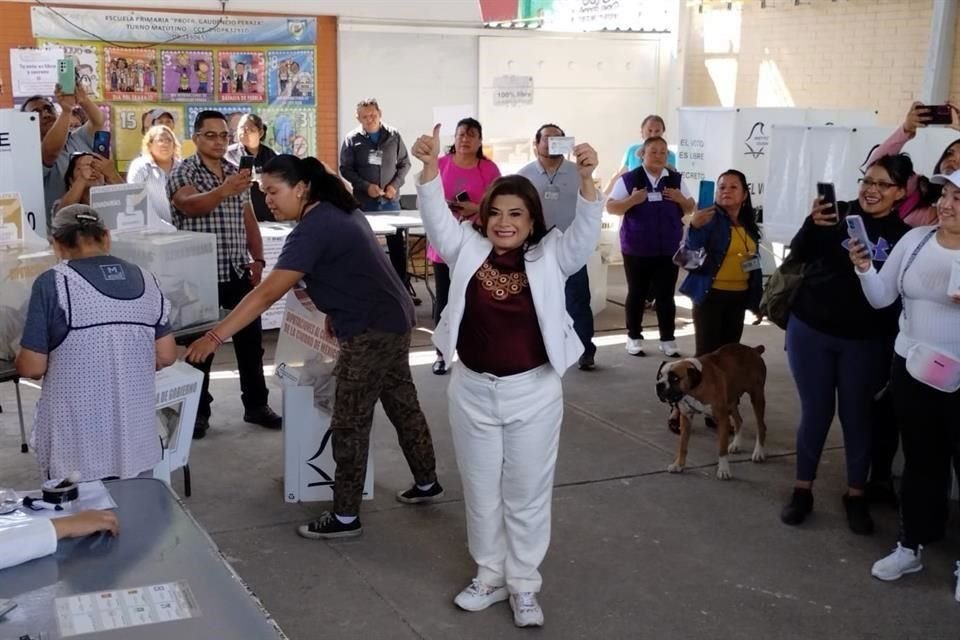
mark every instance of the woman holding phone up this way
{"type": "Point", "coordinates": [507, 320]}
{"type": "Point", "coordinates": [838, 346]}
{"type": "Point", "coordinates": [465, 173]}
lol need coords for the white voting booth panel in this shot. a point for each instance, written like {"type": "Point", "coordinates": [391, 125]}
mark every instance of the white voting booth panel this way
{"type": "Point", "coordinates": [185, 263]}
{"type": "Point", "coordinates": [305, 358]}
{"type": "Point", "coordinates": [19, 267]}
{"type": "Point", "coordinates": [714, 139]}
{"type": "Point", "coordinates": [802, 156]}
{"type": "Point", "coordinates": [21, 170]}
{"type": "Point", "coordinates": [178, 395]}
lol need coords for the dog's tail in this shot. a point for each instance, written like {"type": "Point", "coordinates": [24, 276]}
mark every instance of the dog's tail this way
{"type": "Point", "coordinates": [759, 349]}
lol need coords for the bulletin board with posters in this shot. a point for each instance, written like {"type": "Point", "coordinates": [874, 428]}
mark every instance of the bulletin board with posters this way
{"type": "Point", "coordinates": [184, 63]}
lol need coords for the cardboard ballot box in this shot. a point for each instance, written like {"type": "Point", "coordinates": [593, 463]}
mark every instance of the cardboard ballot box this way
{"type": "Point", "coordinates": [305, 358]}
{"type": "Point", "coordinates": [178, 395]}
{"type": "Point", "coordinates": [185, 263]}
{"type": "Point", "coordinates": [19, 267]}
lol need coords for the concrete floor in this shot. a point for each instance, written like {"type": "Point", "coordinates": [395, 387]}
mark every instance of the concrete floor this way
{"type": "Point", "coordinates": [636, 553]}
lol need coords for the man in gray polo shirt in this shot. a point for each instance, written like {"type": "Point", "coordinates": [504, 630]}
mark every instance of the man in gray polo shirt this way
{"type": "Point", "coordinates": [558, 182]}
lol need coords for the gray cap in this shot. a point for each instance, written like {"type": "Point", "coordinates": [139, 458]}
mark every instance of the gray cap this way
{"type": "Point", "coordinates": [76, 216]}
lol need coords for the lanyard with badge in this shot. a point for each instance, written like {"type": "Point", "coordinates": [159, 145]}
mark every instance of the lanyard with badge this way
{"type": "Point", "coordinates": [552, 192]}
{"type": "Point", "coordinates": [752, 262]}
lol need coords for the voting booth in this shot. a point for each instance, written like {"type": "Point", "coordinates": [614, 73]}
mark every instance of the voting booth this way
{"type": "Point", "coordinates": [178, 396]}
{"type": "Point", "coordinates": [801, 156]}
{"type": "Point", "coordinates": [305, 358]}
{"type": "Point", "coordinates": [274, 234]}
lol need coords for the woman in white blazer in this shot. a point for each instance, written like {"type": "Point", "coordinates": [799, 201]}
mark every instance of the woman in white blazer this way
{"type": "Point", "coordinates": [507, 319]}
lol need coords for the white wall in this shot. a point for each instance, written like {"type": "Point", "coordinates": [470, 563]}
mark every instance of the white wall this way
{"type": "Point", "coordinates": [598, 87]}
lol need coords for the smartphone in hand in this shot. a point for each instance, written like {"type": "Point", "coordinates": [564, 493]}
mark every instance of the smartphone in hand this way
{"type": "Point", "coordinates": [101, 143]}
{"type": "Point", "coordinates": [828, 195]}
{"type": "Point", "coordinates": [857, 231]}
{"type": "Point", "coordinates": [939, 114]}
{"type": "Point", "coordinates": [67, 76]}
{"type": "Point", "coordinates": [707, 194]}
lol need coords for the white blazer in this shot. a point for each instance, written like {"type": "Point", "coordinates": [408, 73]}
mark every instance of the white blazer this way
{"type": "Point", "coordinates": [548, 265]}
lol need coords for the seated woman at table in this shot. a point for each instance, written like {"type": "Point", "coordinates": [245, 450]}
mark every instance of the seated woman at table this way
{"type": "Point", "coordinates": [96, 332]}
{"type": "Point", "coordinates": [348, 277]}
{"type": "Point", "coordinates": [38, 537]}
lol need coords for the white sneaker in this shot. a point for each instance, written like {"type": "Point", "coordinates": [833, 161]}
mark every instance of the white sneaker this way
{"type": "Point", "coordinates": [956, 591]}
{"type": "Point", "coordinates": [478, 596]}
{"type": "Point", "coordinates": [899, 563]}
{"type": "Point", "coordinates": [669, 348]}
{"type": "Point", "coordinates": [635, 346]}
{"type": "Point", "coordinates": [526, 609]}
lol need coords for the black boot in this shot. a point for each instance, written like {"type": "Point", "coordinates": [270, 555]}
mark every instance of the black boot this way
{"type": "Point", "coordinates": [799, 507]}
{"type": "Point", "coordinates": [858, 514]}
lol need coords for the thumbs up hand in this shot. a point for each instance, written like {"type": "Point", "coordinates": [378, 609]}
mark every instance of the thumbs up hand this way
{"type": "Point", "coordinates": [426, 149]}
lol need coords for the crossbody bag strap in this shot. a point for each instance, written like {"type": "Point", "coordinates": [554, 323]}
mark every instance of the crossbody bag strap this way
{"type": "Point", "coordinates": [910, 259]}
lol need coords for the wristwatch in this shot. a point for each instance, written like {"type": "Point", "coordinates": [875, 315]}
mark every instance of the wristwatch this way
{"type": "Point", "coordinates": [261, 261]}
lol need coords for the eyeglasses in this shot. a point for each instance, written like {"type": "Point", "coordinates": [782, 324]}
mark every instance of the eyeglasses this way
{"type": "Point", "coordinates": [869, 183]}
{"type": "Point", "coordinates": [213, 135]}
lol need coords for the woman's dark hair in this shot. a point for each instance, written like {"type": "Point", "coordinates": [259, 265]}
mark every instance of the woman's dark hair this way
{"type": "Point", "coordinates": [71, 167]}
{"type": "Point", "coordinates": [929, 192]}
{"type": "Point", "coordinates": [747, 217]}
{"type": "Point", "coordinates": [519, 186]}
{"type": "Point", "coordinates": [77, 221]}
{"type": "Point", "coordinates": [899, 167]}
{"type": "Point", "coordinates": [469, 123]}
{"type": "Point", "coordinates": [257, 122]}
{"type": "Point", "coordinates": [324, 186]}
{"type": "Point", "coordinates": [653, 139]}
{"type": "Point", "coordinates": [655, 118]}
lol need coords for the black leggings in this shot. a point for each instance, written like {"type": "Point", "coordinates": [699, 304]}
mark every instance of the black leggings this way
{"type": "Point", "coordinates": [656, 274]}
{"type": "Point", "coordinates": [441, 282]}
{"type": "Point", "coordinates": [718, 320]}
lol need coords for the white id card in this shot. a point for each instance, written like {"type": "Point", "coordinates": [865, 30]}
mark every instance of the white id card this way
{"type": "Point", "coordinates": [375, 158]}
{"type": "Point", "coordinates": [551, 193]}
{"type": "Point", "coordinates": [654, 196]}
{"type": "Point", "coordinates": [750, 264]}
{"type": "Point", "coordinates": [560, 145]}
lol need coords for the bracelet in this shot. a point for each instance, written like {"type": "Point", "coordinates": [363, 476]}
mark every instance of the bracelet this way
{"type": "Point", "coordinates": [213, 336]}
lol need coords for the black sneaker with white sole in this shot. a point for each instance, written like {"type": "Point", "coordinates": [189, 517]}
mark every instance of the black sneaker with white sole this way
{"type": "Point", "coordinates": [415, 495]}
{"type": "Point", "coordinates": [328, 527]}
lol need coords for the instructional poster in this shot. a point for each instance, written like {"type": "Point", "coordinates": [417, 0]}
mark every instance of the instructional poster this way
{"type": "Point", "coordinates": [187, 75]}
{"type": "Point", "coordinates": [86, 60]}
{"type": "Point", "coordinates": [291, 130]}
{"type": "Point", "coordinates": [130, 75]}
{"type": "Point", "coordinates": [121, 609]}
{"type": "Point", "coordinates": [130, 123]}
{"type": "Point", "coordinates": [241, 76]}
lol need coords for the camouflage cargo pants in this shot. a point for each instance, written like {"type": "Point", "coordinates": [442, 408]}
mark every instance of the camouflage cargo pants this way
{"type": "Point", "coordinates": [374, 366]}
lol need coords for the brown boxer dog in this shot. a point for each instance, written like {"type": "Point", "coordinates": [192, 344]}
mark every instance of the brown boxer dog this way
{"type": "Point", "coordinates": [712, 385]}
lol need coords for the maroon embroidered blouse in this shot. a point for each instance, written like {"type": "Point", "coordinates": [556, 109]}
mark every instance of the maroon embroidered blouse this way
{"type": "Point", "coordinates": [500, 333]}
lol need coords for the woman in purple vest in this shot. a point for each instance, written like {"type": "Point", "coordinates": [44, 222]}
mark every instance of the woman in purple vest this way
{"type": "Point", "coordinates": [652, 200]}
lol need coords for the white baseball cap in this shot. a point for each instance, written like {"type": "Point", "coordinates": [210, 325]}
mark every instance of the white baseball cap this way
{"type": "Point", "coordinates": [943, 178]}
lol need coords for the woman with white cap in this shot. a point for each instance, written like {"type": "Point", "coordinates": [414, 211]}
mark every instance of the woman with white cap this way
{"type": "Point", "coordinates": [922, 271]}
{"type": "Point", "coordinates": [96, 332]}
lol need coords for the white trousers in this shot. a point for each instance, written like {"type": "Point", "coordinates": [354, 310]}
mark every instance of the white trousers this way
{"type": "Point", "coordinates": [506, 432]}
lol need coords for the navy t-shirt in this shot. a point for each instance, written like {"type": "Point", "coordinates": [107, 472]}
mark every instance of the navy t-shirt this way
{"type": "Point", "coordinates": [46, 324]}
{"type": "Point", "coordinates": [347, 274]}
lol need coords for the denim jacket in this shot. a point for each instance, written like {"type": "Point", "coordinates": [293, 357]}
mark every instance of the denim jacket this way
{"type": "Point", "coordinates": [715, 238]}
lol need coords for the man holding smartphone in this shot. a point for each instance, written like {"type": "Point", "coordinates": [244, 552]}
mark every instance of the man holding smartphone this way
{"type": "Point", "coordinates": [373, 159]}
{"type": "Point", "coordinates": [57, 142]}
{"type": "Point", "coordinates": [557, 180]}
{"type": "Point", "coordinates": [210, 195]}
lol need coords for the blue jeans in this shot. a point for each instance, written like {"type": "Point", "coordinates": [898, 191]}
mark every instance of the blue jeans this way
{"type": "Point", "coordinates": [396, 243]}
{"type": "Point", "coordinates": [577, 293]}
{"type": "Point", "coordinates": [831, 371]}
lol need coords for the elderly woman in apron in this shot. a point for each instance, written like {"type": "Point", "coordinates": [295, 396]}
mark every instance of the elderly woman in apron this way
{"type": "Point", "coordinates": [96, 332]}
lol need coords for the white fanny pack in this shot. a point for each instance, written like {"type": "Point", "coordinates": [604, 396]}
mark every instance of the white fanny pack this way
{"type": "Point", "coordinates": [933, 368]}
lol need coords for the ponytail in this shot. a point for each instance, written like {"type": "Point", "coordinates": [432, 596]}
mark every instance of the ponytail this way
{"type": "Point", "coordinates": [323, 185]}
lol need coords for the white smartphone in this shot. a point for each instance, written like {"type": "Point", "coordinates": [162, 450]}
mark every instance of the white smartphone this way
{"type": "Point", "coordinates": [560, 145]}
{"type": "Point", "coordinates": [857, 231]}
{"type": "Point", "coordinates": [954, 288]}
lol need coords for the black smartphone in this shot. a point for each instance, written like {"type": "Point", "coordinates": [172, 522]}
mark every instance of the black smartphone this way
{"type": "Point", "coordinates": [247, 162]}
{"type": "Point", "coordinates": [101, 143]}
{"type": "Point", "coordinates": [463, 196]}
{"type": "Point", "coordinates": [941, 114]}
{"type": "Point", "coordinates": [828, 196]}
